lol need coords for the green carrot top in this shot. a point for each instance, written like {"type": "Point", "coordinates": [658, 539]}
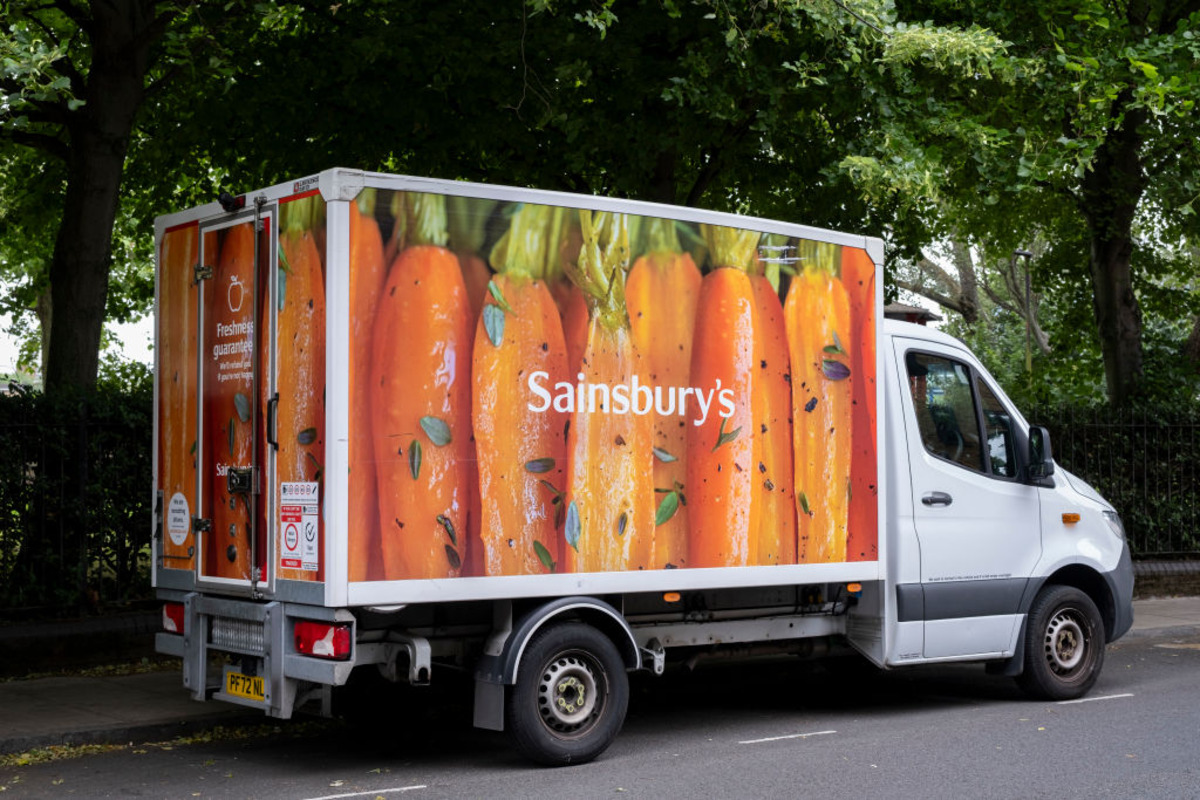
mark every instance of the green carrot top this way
{"type": "Point", "coordinates": [468, 222]}
{"type": "Point", "coordinates": [426, 218]}
{"type": "Point", "coordinates": [661, 236]}
{"type": "Point", "coordinates": [366, 202]}
{"type": "Point", "coordinates": [529, 248]}
{"type": "Point", "coordinates": [301, 215]}
{"type": "Point", "coordinates": [603, 262]}
{"type": "Point", "coordinates": [818, 256]}
{"type": "Point", "coordinates": [732, 247]}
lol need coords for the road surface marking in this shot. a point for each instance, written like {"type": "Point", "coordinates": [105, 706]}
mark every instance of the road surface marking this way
{"type": "Point", "coordinates": [1093, 699]}
{"type": "Point", "coordinates": [789, 736]}
{"type": "Point", "coordinates": [371, 792]}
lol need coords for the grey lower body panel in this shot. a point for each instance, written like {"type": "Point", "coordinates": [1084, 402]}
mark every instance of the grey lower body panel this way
{"type": "Point", "coordinates": [916, 602]}
{"type": "Point", "coordinates": [1120, 583]}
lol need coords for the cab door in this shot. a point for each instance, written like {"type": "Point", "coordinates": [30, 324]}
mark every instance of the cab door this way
{"type": "Point", "coordinates": [977, 523]}
{"type": "Point", "coordinates": [236, 317]}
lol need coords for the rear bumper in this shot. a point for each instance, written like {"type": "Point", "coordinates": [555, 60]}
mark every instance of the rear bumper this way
{"type": "Point", "coordinates": [258, 637]}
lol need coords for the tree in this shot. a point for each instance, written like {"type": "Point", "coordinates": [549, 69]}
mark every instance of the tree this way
{"type": "Point", "coordinates": [1087, 102]}
{"type": "Point", "coordinates": [698, 104]}
{"type": "Point", "coordinates": [75, 78]}
{"type": "Point", "coordinates": [1001, 279]}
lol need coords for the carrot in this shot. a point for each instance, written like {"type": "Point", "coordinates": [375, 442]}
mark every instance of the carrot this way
{"type": "Point", "coordinates": [300, 358]}
{"type": "Point", "coordinates": [227, 401]}
{"type": "Point", "coordinates": [738, 483]}
{"type": "Point", "coordinates": [177, 379]}
{"type": "Point", "coordinates": [468, 229]}
{"type": "Point", "coordinates": [817, 316]}
{"type": "Point", "coordinates": [367, 274]}
{"type": "Point", "coordinates": [575, 325]}
{"type": "Point", "coordinates": [661, 294]}
{"type": "Point", "coordinates": [609, 521]}
{"type": "Point", "coordinates": [862, 535]}
{"type": "Point", "coordinates": [521, 447]}
{"type": "Point", "coordinates": [721, 451]}
{"type": "Point", "coordinates": [421, 402]}
{"type": "Point", "coordinates": [775, 471]}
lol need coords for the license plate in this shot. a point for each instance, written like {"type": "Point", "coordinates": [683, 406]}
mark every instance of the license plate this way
{"type": "Point", "coordinates": [250, 687]}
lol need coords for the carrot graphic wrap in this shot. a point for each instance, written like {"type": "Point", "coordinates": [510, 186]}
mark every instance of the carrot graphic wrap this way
{"type": "Point", "coordinates": [738, 483]}
{"type": "Point", "coordinates": [228, 402]}
{"type": "Point", "coordinates": [609, 523]}
{"type": "Point", "coordinates": [858, 276]}
{"type": "Point", "coordinates": [300, 369]}
{"type": "Point", "coordinates": [817, 315]}
{"type": "Point", "coordinates": [177, 377]}
{"type": "Point", "coordinates": [774, 470]}
{"type": "Point", "coordinates": [367, 274]}
{"type": "Point", "coordinates": [661, 293]}
{"type": "Point", "coordinates": [521, 451]}
{"type": "Point", "coordinates": [421, 402]}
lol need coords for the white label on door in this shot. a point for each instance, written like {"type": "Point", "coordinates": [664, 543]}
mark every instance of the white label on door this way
{"type": "Point", "coordinates": [179, 519]}
{"type": "Point", "coordinates": [299, 509]}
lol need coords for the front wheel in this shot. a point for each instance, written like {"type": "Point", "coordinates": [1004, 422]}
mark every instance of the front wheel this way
{"type": "Point", "coordinates": [570, 697]}
{"type": "Point", "coordinates": [1064, 645]}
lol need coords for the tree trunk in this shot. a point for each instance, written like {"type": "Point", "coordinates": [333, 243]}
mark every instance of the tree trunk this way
{"type": "Point", "coordinates": [968, 285]}
{"type": "Point", "coordinates": [99, 138]}
{"type": "Point", "coordinates": [119, 35]}
{"type": "Point", "coordinates": [1111, 192]}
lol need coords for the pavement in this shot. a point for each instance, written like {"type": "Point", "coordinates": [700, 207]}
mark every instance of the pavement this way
{"type": "Point", "coordinates": [154, 706]}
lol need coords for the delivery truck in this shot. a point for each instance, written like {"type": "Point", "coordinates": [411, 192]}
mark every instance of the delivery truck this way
{"type": "Point", "coordinates": [408, 425]}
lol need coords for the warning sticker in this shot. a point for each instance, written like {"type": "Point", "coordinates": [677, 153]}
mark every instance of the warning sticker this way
{"type": "Point", "coordinates": [179, 519]}
{"type": "Point", "coordinates": [299, 507]}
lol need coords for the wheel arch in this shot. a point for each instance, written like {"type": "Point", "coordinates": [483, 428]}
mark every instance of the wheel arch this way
{"type": "Point", "coordinates": [1089, 581]}
{"type": "Point", "coordinates": [590, 610]}
{"type": "Point", "coordinates": [1086, 579]}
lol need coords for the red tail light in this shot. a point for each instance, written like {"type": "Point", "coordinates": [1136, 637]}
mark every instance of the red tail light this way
{"type": "Point", "coordinates": [322, 639]}
{"type": "Point", "coordinates": [173, 617]}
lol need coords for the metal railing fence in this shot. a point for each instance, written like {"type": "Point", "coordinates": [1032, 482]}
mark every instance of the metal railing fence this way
{"type": "Point", "coordinates": [1144, 461]}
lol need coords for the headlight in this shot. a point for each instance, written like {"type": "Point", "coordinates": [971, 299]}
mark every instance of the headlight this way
{"type": "Point", "coordinates": [1114, 522]}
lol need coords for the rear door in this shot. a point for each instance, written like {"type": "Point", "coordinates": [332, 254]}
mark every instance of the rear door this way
{"type": "Point", "coordinates": [978, 525]}
{"type": "Point", "coordinates": [238, 256]}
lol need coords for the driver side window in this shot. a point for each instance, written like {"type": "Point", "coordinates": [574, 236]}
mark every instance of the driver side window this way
{"type": "Point", "coordinates": [944, 399]}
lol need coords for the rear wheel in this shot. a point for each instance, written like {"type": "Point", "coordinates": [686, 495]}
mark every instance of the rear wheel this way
{"type": "Point", "coordinates": [1064, 645]}
{"type": "Point", "coordinates": [570, 697]}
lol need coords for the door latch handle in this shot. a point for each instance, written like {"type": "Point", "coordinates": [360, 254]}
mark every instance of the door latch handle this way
{"type": "Point", "coordinates": [937, 499]}
{"type": "Point", "coordinates": [272, 419]}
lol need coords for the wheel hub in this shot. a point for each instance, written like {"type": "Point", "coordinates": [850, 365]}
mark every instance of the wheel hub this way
{"type": "Point", "coordinates": [1065, 642]}
{"type": "Point", "coordinates": [567, 694]}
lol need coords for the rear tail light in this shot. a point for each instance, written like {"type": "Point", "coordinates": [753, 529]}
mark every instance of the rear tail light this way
{"type": "Point", "coordinates": [173, 617]}
{"type": "Point", "coordinates": [322, 639]}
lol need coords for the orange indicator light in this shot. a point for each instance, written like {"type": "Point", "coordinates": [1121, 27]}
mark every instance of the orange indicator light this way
{"type": "Point", "coordinates": [1070, 519]}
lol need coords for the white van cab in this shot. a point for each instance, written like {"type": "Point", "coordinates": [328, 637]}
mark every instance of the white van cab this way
{"type": "Point", "coordinates": [996, 554]}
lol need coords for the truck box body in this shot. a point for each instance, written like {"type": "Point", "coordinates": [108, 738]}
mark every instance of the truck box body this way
{"type": "Point", "coordinates": [400, 420]}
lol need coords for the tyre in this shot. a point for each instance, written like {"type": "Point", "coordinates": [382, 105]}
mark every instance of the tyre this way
{"type": "Point", "coordinates": [570, 697]}
{"type": "Point", "coordinates": [1064, 645]}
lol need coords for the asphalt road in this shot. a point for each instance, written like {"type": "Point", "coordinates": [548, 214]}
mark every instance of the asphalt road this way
{"type": "Point", "coordinates": [778, 729]}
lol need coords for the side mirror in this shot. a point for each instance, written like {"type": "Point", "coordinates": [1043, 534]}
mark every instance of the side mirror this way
{"type": "Point", "coordinates": [1041, 460]}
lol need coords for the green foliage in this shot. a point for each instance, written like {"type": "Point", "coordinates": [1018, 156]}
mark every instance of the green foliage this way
{"type": "Point", "coordinates": [46, 563]}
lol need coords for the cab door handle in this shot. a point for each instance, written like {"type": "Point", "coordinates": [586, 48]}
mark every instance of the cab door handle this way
{"type": "Point", "coordinates": [937, 499]}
